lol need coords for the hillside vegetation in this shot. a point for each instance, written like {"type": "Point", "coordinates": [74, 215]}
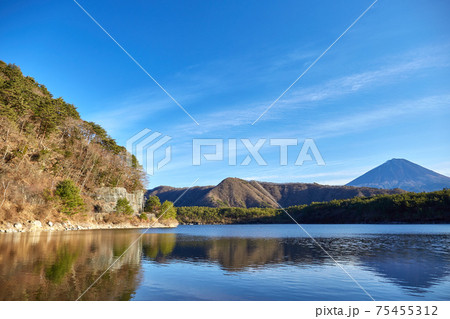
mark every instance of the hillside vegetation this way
{"type": "Point", "coordinates": [433, 207]}
{"type": "Point", "coordinates": [44, 142]}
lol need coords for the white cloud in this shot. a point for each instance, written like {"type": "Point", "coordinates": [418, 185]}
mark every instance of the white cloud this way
{"type": "Point", "coordinates": [398, 70]}
{"type": "Point", "coordinates": [374, 118]}
{"type": "Point", "coordinates": [198, 84]}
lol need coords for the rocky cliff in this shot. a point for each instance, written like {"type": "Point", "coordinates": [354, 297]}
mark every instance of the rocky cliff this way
{"type": "Point", "coordinates": [106, 199]}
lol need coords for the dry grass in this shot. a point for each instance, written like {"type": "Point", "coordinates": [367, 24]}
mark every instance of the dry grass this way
{"type": "Point", "coordinates": [30, 170]}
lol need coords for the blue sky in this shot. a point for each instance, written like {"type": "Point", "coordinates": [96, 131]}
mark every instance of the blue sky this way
{"type": "Point", "coordinates": [381, 92]}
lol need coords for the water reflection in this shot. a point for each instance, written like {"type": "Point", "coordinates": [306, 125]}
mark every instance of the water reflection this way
{"type": "Point", "coordinates": [157, 246]}
{"type": "Point", "coordinates": [60, 266]}
{"type": "Point", "coordinates": [414, 262]}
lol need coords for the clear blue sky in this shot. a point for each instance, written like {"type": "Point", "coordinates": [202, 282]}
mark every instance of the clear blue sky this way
{"type": "Point", "coordinates": [382, 91]}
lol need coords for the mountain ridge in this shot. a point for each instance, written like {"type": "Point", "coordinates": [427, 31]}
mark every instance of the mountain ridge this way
{"type": "Point", "coordinates": [235, 192]}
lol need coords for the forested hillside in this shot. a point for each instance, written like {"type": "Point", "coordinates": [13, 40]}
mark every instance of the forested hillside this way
{"type": "Point", "coordinates": [43, 142]}
{"type": "Point", "coordinates": [433, 207]}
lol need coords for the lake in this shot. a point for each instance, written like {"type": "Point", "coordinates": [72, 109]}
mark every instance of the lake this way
{"type": "Point", "coordinates": [229, 262]}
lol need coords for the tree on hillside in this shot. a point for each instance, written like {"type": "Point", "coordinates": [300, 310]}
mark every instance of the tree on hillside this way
{"type": "Point", "coordinates": [168, 211]}
{"type": "Point", "coordinates": [69, 194]}
{"type": "Point", "coordinates": [152, 204]}
{"type": "Point", "coordinates": [123, 207]}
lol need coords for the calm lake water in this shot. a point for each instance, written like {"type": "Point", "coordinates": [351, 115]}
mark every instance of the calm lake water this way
{"type": "Point", "coordinates": [229, 262]}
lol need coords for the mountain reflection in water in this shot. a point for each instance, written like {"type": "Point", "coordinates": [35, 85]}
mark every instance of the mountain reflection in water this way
{"type": "Point", "coordinates": [60, 266]}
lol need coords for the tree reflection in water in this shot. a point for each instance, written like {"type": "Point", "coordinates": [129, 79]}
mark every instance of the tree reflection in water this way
{"type": "Point", "coordinates": [60, 266]}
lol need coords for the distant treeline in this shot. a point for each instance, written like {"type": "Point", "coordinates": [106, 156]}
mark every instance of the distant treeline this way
{"type": "Point", "coordinates": [433, 207]}
{"type": "Point", "coordinates": [229, 215]}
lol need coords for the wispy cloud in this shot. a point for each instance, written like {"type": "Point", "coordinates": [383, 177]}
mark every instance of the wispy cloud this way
{"type": "Point", "coordinates": [199, 84]}
{"type": "Point", "coordinates": [375, 118]}
{"type": "Point", "coordinates": [127, 111]}
{"type": "Point", "coordinates": [397, 69]}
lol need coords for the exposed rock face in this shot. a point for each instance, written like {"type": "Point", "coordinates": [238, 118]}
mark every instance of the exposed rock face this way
{"type": "Point", "coordinates": [107, 199]}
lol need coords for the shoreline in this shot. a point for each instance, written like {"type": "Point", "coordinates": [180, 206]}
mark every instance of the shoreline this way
{"type": "Point", "coordinates": [37, 226]}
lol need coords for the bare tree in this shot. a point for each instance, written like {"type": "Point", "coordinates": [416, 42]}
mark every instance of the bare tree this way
{"type": "Point", "coordinates": [5, 189]}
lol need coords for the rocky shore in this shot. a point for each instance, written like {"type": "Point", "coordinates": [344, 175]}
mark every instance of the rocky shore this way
{"type": "Point", "coordinates": [103, 216]}
{"type": "Point", "coordinates": [36, 226]}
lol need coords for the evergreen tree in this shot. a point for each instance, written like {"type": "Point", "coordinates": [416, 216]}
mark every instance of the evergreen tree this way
{"type": "Point", "coordinates": [123, 207]}
{"type": "Point", "coordinates": [69, 195]}
{"type": "Point", "coordinates": [168, 211]}
{"type": "Point", "coordinates": [152, 204]}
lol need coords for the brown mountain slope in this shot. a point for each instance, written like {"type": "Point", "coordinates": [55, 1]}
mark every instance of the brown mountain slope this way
{"type": "Point", "coordinates": [235, 192]}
